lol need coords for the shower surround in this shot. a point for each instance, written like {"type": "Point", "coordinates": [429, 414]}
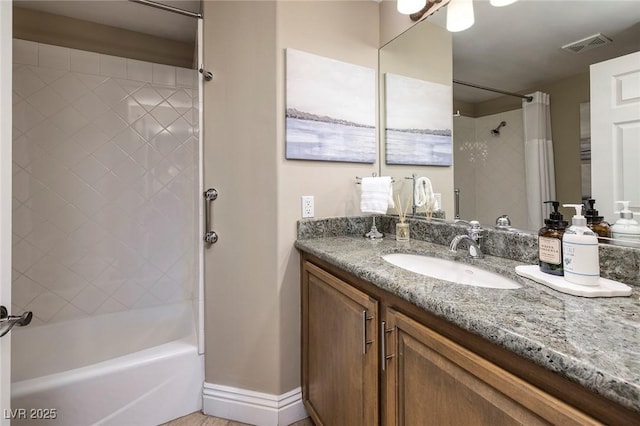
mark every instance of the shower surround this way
{"type": "Point", "coordinates": [105, 174]}
{"type": "Point", "coordinates": [105, 184]}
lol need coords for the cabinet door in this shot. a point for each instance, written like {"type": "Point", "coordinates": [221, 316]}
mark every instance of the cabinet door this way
{"type": "Point", "coordinates": [339, 351]}
{"type": "Point", "coordinates": [431, 380]}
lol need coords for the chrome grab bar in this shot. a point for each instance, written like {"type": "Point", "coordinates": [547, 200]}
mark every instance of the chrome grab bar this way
{"type": "Point", "coordinates": [13, 320]}
{"type": "Point", "coordinates": [210, 236]}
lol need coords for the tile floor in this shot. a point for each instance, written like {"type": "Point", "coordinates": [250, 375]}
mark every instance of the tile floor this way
{"type": "Point", "coordinates": [199, 419]}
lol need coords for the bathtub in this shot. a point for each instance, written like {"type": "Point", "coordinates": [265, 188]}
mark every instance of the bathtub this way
{"type": "Point", "coordinates": [133, 368]}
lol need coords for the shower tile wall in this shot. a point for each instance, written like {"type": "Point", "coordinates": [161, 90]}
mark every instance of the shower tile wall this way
{"type": "Point", "coordinates": [490, 169]}
{"type": "Point", "coordinates": [104, 183]}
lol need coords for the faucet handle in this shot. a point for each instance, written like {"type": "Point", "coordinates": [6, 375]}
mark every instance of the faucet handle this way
{"type": "Point", "coordinates": [503, 222]}
{"type": "Point", "coordinates": [475, 227]}
{"type": "Point", "coordinates": [476, 231]}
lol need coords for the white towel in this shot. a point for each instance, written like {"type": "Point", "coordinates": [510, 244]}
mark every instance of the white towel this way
{"type": "Point", "coordinates": [423, 194]}
{"type": "Point", "coordinates": [377, 195]}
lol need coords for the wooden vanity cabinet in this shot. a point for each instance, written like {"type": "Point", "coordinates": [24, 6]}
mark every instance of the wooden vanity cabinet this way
{"type": "Point", "coordinates": [370, 358]}
{"type": "Point", "coordinates": [431, 380]}
{"type": "Point", "coordinates": [339, 351]}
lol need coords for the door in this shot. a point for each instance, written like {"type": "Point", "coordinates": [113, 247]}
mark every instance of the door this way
{"type": "Point", "coordinates": [431, 380]}
{"type": "Point", "coordinates": [339, 356]}
{"type": "Point", "coordinates": [6, 46]}
{"type": "Point", "coordinates": [615, 133]}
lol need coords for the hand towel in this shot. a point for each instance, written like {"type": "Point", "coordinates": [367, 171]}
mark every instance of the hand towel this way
{"type": "Point", "coordinates": [377, 195]}
{"type": "Point", "coordinates": [423, 194]}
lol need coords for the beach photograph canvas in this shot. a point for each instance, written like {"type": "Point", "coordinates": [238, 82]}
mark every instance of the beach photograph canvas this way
{"type": "Point", "coordinates": [330, 109]}
{"type": "Point", "coordinates": [418, 121]}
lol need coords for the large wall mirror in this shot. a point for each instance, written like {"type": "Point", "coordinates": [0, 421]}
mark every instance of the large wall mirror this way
{"type": "Point", "coordinates": [518, 49]}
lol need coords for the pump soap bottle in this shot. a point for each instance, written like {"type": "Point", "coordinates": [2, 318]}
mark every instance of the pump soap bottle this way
{"type": "Point", "coordinates": [596, 223]}
{"type": "Point", "coordinates": [580, 251]}
{"type": "Point", "coordinates": [626, 230]}
{"type": "Point", "coordinates": [550, 242]}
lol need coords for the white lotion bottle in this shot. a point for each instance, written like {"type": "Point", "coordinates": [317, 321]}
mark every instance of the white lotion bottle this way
{"type": "Point", "coordinates": [581, 261]}
{"type": "Point", "coordinates": [626, 228]}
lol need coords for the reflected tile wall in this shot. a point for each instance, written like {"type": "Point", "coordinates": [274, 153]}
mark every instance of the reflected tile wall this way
{"type": "Point", "coordinates": [490, 170]}
{"type": "Point", "coordinates": [104, 182]}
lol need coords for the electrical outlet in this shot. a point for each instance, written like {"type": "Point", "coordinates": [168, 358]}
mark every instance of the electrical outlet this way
{"type": "Point", "coordinates": [438, 197]}
{"type": "Point", "coordinates": [307, 206]}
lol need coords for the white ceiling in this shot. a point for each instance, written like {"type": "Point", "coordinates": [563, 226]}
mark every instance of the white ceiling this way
{"type": "Point", "coordinates": [126, 14]}
{"type": "Point", "coordinates": [517, 47]}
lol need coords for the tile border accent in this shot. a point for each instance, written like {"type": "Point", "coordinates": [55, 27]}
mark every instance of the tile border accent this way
{"type": "Point", "coordinates": [256, 408]}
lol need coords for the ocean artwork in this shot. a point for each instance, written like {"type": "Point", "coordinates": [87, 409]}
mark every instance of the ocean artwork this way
{"type": "Point", "coordinates": [330, 112]}
{"type": "Point", "coordinates": [418, 122]}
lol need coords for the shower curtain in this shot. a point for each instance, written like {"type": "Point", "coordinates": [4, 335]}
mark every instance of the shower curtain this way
{"type": "Point", "coordinates": [538, 158]}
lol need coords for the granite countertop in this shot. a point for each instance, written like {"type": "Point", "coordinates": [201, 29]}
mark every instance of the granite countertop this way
{"type": "Point", "coordinates": [592, 341]}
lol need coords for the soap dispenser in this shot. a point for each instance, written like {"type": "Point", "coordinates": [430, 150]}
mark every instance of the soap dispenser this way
{"type": "Point", "coordinates": [626, 230]}
{"type": "Point", "coordinates": [581, 260]}
{"type": "Point", "coordinates": [596, 223]}
{"type": "Point", "coordinates": [550, 242]}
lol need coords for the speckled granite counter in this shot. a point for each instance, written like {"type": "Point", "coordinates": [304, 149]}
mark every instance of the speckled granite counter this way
{"type": "Point", "coordinates": [594, 342]}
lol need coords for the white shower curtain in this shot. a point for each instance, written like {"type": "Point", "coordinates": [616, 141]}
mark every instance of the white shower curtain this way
{"type": "Point", "coordinates": [538, 158]}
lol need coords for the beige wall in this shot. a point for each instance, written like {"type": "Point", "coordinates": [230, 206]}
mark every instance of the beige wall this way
{"type": "Point", "coordinates": [342, 30]}
{"type": "Point", "coordinates": [565, 97]}
{"type": "Point", "coordinates": [252, 273]}
{"type": "Point", "coordinates": [241, 299]}
{"type": "Point", "coordinates": [404, 56]}
{"type": "Point", "coordinates": [63, 31]}
{"type": "Point", "coordinates": [392, 23]}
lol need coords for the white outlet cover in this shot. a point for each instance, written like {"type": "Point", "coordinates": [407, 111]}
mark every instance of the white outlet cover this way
{"type": "Point", "coordinates": [307, 206]}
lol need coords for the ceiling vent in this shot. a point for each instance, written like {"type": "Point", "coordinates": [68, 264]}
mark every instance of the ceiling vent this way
{"type": "Point", "coordinates": [587, 43]}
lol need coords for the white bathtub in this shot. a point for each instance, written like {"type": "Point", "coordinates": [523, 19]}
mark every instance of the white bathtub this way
{"type": "Point", "coordinates": [134, 368]}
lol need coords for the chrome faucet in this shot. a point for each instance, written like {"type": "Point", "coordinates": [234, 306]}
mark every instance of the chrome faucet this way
{"type": "Point", "coordinates": [474, 236]}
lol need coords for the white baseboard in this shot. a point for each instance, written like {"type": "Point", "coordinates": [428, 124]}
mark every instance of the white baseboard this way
{"type": "Point", "coordinates": [256, 408]}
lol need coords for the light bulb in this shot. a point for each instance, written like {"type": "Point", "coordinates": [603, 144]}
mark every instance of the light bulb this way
{"type": "Point", "coordinates": [407, 7]}
{"type": "Point", "coordinates": [459, 15]}
{"type": "Point", "coordinates": [500, 3]}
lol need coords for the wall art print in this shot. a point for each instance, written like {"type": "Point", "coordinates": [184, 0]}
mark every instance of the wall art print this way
{"type": "Point", "coordinates": [330, 109]}
{"type": "Point", "coordinates": [418, 122]}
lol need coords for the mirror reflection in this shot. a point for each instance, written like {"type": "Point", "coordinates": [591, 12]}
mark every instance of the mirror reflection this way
{"type": "Point", "coordinates": [517, 49]}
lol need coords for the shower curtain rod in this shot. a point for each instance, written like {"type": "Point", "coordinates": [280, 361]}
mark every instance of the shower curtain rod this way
{"type": "Point", "coordinates": [169, 8]}
{"type": "Point", "coordinates": [464, 83]}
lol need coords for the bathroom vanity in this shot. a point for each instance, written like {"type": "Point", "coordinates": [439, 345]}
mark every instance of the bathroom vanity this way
{"type": "Point", "coordinates": [382, 345]}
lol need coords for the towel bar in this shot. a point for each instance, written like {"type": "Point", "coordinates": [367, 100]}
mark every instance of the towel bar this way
{"type": "Point", "coordinates": [359, 179]}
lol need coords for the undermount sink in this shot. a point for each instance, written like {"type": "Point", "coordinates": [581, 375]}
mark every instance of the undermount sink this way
{"type": "Point", "coordinates": [448, 270]}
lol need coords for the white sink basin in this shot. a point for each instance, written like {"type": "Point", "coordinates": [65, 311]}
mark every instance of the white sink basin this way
{"type": "Point", "coordinates": [448, 270]}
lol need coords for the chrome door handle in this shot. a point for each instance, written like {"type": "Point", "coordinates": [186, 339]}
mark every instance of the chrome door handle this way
{"type": "Point", "coordinates": [383, 344]}
{"type": "Point", "coordinates": [9, 321]}
{"type": "Point", "coordinates": [210, 236]}
{"type": "Point", "coordinates": [365, 341]}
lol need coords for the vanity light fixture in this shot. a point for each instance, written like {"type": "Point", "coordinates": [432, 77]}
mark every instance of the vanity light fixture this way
{"type": "Point", "coordinates": [407, 7]}
{"type": "Point", "coordinates": [459, 15]}
{"type": "Point", "coordinates": [500, 3]}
